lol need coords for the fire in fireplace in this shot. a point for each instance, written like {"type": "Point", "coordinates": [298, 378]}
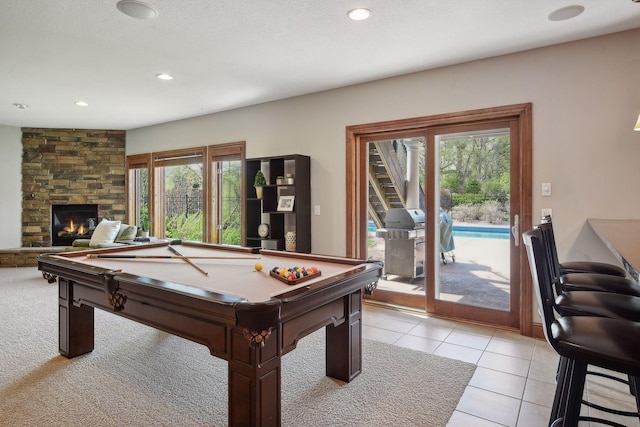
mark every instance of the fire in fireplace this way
{"type": "Point", "coordinates": [70, 222]}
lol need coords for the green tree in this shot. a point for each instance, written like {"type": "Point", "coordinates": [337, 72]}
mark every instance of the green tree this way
{"type": "Point", "coordinates": [477, 166]}
{"type": "Point", "coordinates": [452, 181]}
{"type": "Point", "coordinates": [182, 179]}
{"type": "Point", "coordinates": [473, 186]}
{"type": "Point", "coordinates": [483, 158]}
{"type": "Point", "coordinates": [231, 202]}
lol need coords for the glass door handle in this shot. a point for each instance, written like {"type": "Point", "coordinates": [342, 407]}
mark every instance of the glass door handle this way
{"type": "Point", "coordinates": [515, 229]}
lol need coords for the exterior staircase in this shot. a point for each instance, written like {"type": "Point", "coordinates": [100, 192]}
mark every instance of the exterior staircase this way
{"type": "Point", "coordinates": [387, 183]}
{"type": "Point", "coordinates": [387, 180]}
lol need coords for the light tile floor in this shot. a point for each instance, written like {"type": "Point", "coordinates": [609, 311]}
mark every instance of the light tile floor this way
{"type": "Point", "coordinates": [514, 380]}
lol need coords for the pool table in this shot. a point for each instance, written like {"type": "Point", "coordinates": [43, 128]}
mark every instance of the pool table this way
{"type": "Point", "coordinates": [217, 298]}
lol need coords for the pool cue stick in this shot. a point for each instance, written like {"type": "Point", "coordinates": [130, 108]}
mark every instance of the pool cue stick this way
{"type": "Point", "coordinates": [187, 260]}
{"type": "Point", "coordinates": [116, 256]}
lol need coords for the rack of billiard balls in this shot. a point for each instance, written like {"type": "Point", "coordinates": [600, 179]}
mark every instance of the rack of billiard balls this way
{"type": "Point", "coordinates": [294, 275]}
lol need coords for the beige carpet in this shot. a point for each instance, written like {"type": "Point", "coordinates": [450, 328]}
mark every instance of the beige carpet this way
{"type": "Point", "coordinates": [137, 376]}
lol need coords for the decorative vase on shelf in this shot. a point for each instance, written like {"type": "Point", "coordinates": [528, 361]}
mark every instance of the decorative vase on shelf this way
{"type": "Point", "coordinates": [290, 241]}
{"type": "Point", "coordinates": [259, 192]}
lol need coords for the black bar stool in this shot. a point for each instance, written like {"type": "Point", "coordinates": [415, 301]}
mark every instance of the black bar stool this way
{"type": "Point", "coordinates": [613, 297]}
{"type": "Point", "coordinates": [580, 341]}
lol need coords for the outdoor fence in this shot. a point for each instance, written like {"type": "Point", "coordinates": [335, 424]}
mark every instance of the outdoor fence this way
{"type": "Point", "coordinates": [187, 204]}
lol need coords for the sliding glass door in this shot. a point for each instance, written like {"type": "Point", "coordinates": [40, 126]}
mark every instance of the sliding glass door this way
{"type": "Point", "coordinates": [475, 172]}
{"type": "Point", "coordinates": [472, 252]}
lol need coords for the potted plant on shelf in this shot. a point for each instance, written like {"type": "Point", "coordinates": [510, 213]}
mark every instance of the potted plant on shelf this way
{"type": "Point", "coordinates": [258, 182]}
{"type": "Point", "coordinates": [144, 224]}
{"type": "Point", "coordinates": [280, 180]}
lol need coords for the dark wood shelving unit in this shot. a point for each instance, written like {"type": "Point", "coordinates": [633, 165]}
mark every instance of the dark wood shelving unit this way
{"type": "Point", "coordinates": [265, 210]}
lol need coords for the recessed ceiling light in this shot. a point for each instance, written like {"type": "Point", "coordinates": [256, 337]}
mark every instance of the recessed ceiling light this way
{"type": "Point", "coordinates": [81, 104]}
{"type": "Point", "coordinates": [565, 13]}
{"type": "Point", "coordinates": [136, 9]}
{"type": "Point", "coordinates": [164, 76]}
{"type": "Point", "coordinates": [20, 106]}
{"type": "Point", "coordinates": [359, 14]}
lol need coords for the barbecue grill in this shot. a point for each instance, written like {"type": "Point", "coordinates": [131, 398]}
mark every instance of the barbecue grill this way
{"type": "Point", "coordinates": [404, 242]}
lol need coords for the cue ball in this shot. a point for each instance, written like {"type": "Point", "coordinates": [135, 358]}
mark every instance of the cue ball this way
{"type": "Point", "coordinates": [258, 266]}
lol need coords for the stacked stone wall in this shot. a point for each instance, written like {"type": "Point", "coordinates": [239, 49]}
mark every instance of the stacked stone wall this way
{"type": "Point", "coordinates": [24, 257]}
{"type": "Point", "coordinates": [70, 166]}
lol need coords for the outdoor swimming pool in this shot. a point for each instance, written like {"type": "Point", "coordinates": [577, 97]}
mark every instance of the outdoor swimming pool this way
{"type": "Point", "coordinates": [481, 232]}
{"type": "Point", "coordinates": [477, 231]}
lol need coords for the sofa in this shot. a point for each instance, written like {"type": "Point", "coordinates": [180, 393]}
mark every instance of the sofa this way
{"type": "Point", "coordinates": [108, 234]}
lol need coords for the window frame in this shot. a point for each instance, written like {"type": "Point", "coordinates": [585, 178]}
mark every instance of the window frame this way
{"type": "Point", "coordinates": [132, 163]}
{"type": "Point", "coordinates": [155, 162]}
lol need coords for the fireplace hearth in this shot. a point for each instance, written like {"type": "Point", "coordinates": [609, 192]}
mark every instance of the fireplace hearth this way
{"type": "Point", "coordinates": [70, 222]}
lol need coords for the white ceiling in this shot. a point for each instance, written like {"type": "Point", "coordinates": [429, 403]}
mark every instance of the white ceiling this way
{"type": "Point", "coordinates": [226, 54]}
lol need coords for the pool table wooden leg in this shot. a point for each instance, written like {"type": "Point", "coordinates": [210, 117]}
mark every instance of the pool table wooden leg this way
{"type": "Point", "coordinates": [76, 332]}
{"type": "Point", "coordinates": [344, 343]}
{"type": "Point", "coordinates": [254, 382]}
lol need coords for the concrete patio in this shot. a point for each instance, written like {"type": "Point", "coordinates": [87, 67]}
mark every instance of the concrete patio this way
{"type": "Point", "coordinates": [479, 276]}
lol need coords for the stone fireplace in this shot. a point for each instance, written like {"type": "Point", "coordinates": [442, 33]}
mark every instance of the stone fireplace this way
{"type": "Point", "coordinates": [62, 167]}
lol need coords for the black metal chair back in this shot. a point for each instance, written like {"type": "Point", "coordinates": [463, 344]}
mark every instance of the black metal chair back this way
{"type": "Point", "coordinates": [551, 253]}
{"type": "Point", "coordinates": [583, 275]}
{"type": "Point", "coordinates": [545, 295]}
{"type": "Point", "coordinates": [562, 268]}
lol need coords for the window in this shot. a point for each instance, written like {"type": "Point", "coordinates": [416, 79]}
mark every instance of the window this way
{"type": "Point", "coordinates": [138, 190]}
{"type": "Point", "coordinates": [225, 164]}
{"type": "Point", "coordinates": [190, 194]}
{"type": "Point", "coordinates": [178, 197]}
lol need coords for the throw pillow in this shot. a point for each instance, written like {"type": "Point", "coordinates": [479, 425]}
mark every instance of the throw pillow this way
{"type": "Point", "coordinates": [105, 232]}
{"type": "Point", "coordinates": [127, 232]}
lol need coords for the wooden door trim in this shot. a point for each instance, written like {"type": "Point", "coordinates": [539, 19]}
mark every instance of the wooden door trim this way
{"type": "Point", "coordinates": [356, 205]}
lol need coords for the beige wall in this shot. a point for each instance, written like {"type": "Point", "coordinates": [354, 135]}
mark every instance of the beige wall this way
{"type": "Point", "coordinates": [585, 95]}
{"type": "Point", "coordinates": [10, 187]}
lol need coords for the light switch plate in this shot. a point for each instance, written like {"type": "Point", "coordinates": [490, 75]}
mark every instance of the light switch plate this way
{"type": "Point", "coordinates": [546, 188]}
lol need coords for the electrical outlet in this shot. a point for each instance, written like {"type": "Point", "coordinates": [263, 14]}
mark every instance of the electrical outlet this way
{"type": "Point", "coordinates": [546, 212]}
{"type": "Point", "coordinates": [316, 210]}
